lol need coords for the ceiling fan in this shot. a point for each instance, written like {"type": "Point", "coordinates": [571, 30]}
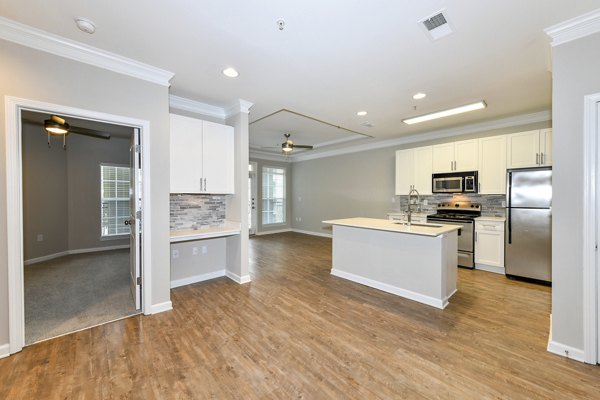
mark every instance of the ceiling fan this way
{"type": "Point", "coordinates": [288, 146]}
{"type": "Point", "coordinates": [57, 126]}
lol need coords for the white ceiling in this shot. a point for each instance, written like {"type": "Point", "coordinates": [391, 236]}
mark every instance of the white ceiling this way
{"type": "Point", "coordinates": [333, 58]}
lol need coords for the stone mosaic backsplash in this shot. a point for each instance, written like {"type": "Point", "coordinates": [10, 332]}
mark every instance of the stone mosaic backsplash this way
{"type": "Point", "coordinates": [491, 204]}
{"type": "Point", "coordinates": [197, 211]}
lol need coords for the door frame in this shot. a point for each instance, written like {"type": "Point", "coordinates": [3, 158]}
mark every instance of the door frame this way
{"type": "Point", "coordinates": [254, 190]}
{"type": "Point", "coordinates": [591, 228]}
{"type": "Point", "coordinates": [14, 206]}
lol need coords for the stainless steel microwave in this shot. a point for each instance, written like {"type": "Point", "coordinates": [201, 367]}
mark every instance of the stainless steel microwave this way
{"type": "Point", "coordinates": [455, 182]}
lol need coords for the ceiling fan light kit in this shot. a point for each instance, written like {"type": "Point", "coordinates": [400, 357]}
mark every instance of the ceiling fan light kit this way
{"type": "Point", "coordinates": [56, 126]}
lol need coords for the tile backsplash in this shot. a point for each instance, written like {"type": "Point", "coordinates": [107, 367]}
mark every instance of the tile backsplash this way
{"type": "Point", "coordinates": [491, 204]}
{"type": "Point", "coordinates": [194, 211]}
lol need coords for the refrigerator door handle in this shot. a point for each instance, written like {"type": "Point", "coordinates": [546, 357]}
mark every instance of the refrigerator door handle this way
{"type": "Point", "coordinates": [508, 203]}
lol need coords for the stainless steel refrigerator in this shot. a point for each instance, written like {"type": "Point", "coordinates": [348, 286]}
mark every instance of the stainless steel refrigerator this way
{"type": "Point", "coordinates": [528, 250]}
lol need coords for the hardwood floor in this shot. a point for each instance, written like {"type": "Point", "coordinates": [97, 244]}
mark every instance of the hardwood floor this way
{"type": "Point", "coordinates": [298, 332]}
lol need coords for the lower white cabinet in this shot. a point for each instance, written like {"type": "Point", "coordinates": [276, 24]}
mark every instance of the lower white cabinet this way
{"type": "Point", "coordinates": [489, 245]}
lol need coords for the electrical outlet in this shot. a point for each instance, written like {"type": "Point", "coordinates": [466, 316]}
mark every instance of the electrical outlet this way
{"type": "Point", "coordinates": [195, 251]}
{"type": "Point", "coordinates": [175, 253]}
{"type": "Point", "coordinates": [204, 249]}
{"type": "Point", "coordinates": [503, 203]}
{"type": "Point", "coordinates": [299, 198]}
{"type": "Point", "coordinates": [425, 202]}
{"type": "Point", "coordinates": [40, 237]}
{"type": "Point", "coordinates": [393, 199]}
{"type": "Point", "coordinates": [299, 219]}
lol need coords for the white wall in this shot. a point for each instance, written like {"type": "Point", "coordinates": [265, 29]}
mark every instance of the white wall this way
{"type": "Point", "coordinates": [576, 73]}
{"type": "Point", "coordinates": [35, 75]}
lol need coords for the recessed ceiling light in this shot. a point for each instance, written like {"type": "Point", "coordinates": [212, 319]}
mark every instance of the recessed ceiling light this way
{"type": "Point", "coordinates": [445, 113]}
{"type": "Point", "coordinates": [231, 72]}
{"type": "Point", "coordinates": [361, 113]}
{"type": "Point", "coordinates": [419, 96]}
{"type": "Point", "coordinates": [85, 25]}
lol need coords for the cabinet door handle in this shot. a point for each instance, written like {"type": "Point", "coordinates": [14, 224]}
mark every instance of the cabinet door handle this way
{"type": "Point", "coordinates": [537, 158]}
{"type": "Point", "coordinates": [201, 184]}
{"type": "Point", "coordinates": [479, 187]}
{"type": "Point", "coordinates": [205, 184]}
{"type": "Point", "coordinates": [542, 158]}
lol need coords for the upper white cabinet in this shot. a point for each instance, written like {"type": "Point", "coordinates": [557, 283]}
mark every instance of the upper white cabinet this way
{"type": "Point", "coordinates": [492, 165]}
{"type": "Point", "coordinates": [202, 156]}
{"type": "Point", "coordinates": [413, 169]}
{"type": "Point", "coordinates": [529, 149]}
{"type": "Point", "coordinates": [456, 156]}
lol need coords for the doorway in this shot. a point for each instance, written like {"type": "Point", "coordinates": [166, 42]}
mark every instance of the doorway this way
{"type": "Point", "coordinates": [15, 107]}
{"type": "Point", "coordinates": [80, 252]}
{"type": "Point", "coordinates": [252, 217]}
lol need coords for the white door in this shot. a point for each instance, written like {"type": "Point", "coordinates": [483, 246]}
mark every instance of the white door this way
{"type": "Point", "coordinates": [523, 149]}
{"type": "Point", "coordinates": [135, 218]}
{"type": "Point", "coordinates": [492, 165]}
{"type": "Point", "coordinates": [423, 169]}
{"type": "Point", "coordinates": [252, 220]}
{"type": "Point", "coordinates": [443, 157]}
{"type": "Point", "coordinates": [465, 155]}
{"type": "Point", "coordinates": [404, 171]}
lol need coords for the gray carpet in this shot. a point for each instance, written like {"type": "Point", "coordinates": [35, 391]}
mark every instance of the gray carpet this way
{"type": "Point", "coordinates": [75, 292]}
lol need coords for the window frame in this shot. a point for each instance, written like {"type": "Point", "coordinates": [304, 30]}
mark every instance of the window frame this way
{"type": "Point", "coordinates": [263, 198]}
{"type": "Point", "coordinates": [118, 236]}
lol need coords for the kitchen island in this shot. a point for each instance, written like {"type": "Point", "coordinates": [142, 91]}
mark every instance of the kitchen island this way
{"type": "Point", "coordinates": [417, 262]}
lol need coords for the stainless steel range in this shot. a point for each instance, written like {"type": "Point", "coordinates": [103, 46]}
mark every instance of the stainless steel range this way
{"type": "Point", "coordinates": [461, 213]}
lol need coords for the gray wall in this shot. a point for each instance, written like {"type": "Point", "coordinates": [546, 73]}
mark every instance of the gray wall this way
{"type": "Point", "coordinates": [44, 195]}
{"type": "Point", "coordinates": [84, 156]}
{"type": "Point", "coordinates": [35, 75]}
{"type": "Point", "coordinates": [61, 193]}
{"type": "Point", "coordinates": [260, 228]}
{"type": "Point", "coordinates": [357, 184]}
{"type": "Point", "coordinates": [576, 73]}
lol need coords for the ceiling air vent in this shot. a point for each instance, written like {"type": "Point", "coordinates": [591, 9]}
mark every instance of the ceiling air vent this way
{"type": "Point", "coordinates": [437, 25]}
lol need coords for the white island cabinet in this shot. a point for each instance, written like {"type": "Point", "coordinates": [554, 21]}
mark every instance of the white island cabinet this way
{"type": "Point", "coordinates": [417, 262]}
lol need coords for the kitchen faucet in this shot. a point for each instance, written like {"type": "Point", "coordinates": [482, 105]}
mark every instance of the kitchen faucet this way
{"type": "Point", "coordinates": [409, 208]}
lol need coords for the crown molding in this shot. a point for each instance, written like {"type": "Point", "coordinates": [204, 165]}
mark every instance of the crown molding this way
{"type": "Point", "coordinates": [181, 103]}
{"type": "Point", "coordinates": [239, 106]}
{"type": "Point", "coordinates": [574, 28]}
{"type": "Point", "coordinates": [265, 155]}
{"type": "Point", "coordinates": [59, 46]}
{"type": "Point", "coordinates": [197, 107]}
{"type": "Point", "coordinates": [508, 122]}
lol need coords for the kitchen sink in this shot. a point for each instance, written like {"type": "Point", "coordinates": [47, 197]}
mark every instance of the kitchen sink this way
{"type": "Point", "coordinates": [427, 225]}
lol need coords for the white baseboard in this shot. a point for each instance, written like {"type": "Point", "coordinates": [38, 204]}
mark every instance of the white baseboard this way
{"type": "Point", "coordinates": [162, 307]}
{"type": "Point", "coordinates": [236, 278]}
{"type": "Point", "coordinates": [197, 278]}
{"type": "Point", "coordinates": [430, 301]}
{"type": "Point", "coordinates": [490, 268]}
{"type": "Point", "coordinates": [273, 231]}
{"type": "Point", "coordinates": [566, 351]}
{"type": "Point", "coordinates": [76, 251]}
{"type": "Point", "coordinates": [327, 235]}
{"type": "Point", "coordinates": [4, 350]}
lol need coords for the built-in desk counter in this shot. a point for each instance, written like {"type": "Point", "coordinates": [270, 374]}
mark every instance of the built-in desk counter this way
{"type": "Point", "coordinates": [185, 235]}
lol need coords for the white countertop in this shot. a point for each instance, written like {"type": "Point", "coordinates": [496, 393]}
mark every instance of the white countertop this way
{"type": "Point", "coordinates": [391, 226]}
{"type": "Point", "coordinates": [183, 235]}
{"type": "Point", "coordinates": [498, 219]}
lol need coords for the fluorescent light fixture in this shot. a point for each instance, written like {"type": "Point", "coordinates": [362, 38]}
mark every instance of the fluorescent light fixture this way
{"type": "Point", "coordinates": [419, 96]}
{"type": "Point", "coordinates": [361, 113]}
{"type": "Point", "coordinates": [446, 113]}
{"type": "Point", "coordinates": [231, 72]}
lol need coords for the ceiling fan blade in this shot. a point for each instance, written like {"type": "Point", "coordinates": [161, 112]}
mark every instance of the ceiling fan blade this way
{"type": "Point", "coordinates": [303, 146]}
{"type": "Point", "coordinates": [90, 132]}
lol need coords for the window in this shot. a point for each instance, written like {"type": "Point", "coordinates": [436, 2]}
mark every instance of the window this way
{"type": "Point", "coordinates": [273, 195]}
{"type": "Point", "coordinates": [114, 199]}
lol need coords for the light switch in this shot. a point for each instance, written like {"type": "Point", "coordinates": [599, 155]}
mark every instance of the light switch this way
{"type": "Point", "coordinates": [175, 253]}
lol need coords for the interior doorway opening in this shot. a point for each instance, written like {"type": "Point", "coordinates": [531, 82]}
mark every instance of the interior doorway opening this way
{"type": "Point", "coordinates": [81, 193]}
{"type": "Point", "coordinates": [14, 204]}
